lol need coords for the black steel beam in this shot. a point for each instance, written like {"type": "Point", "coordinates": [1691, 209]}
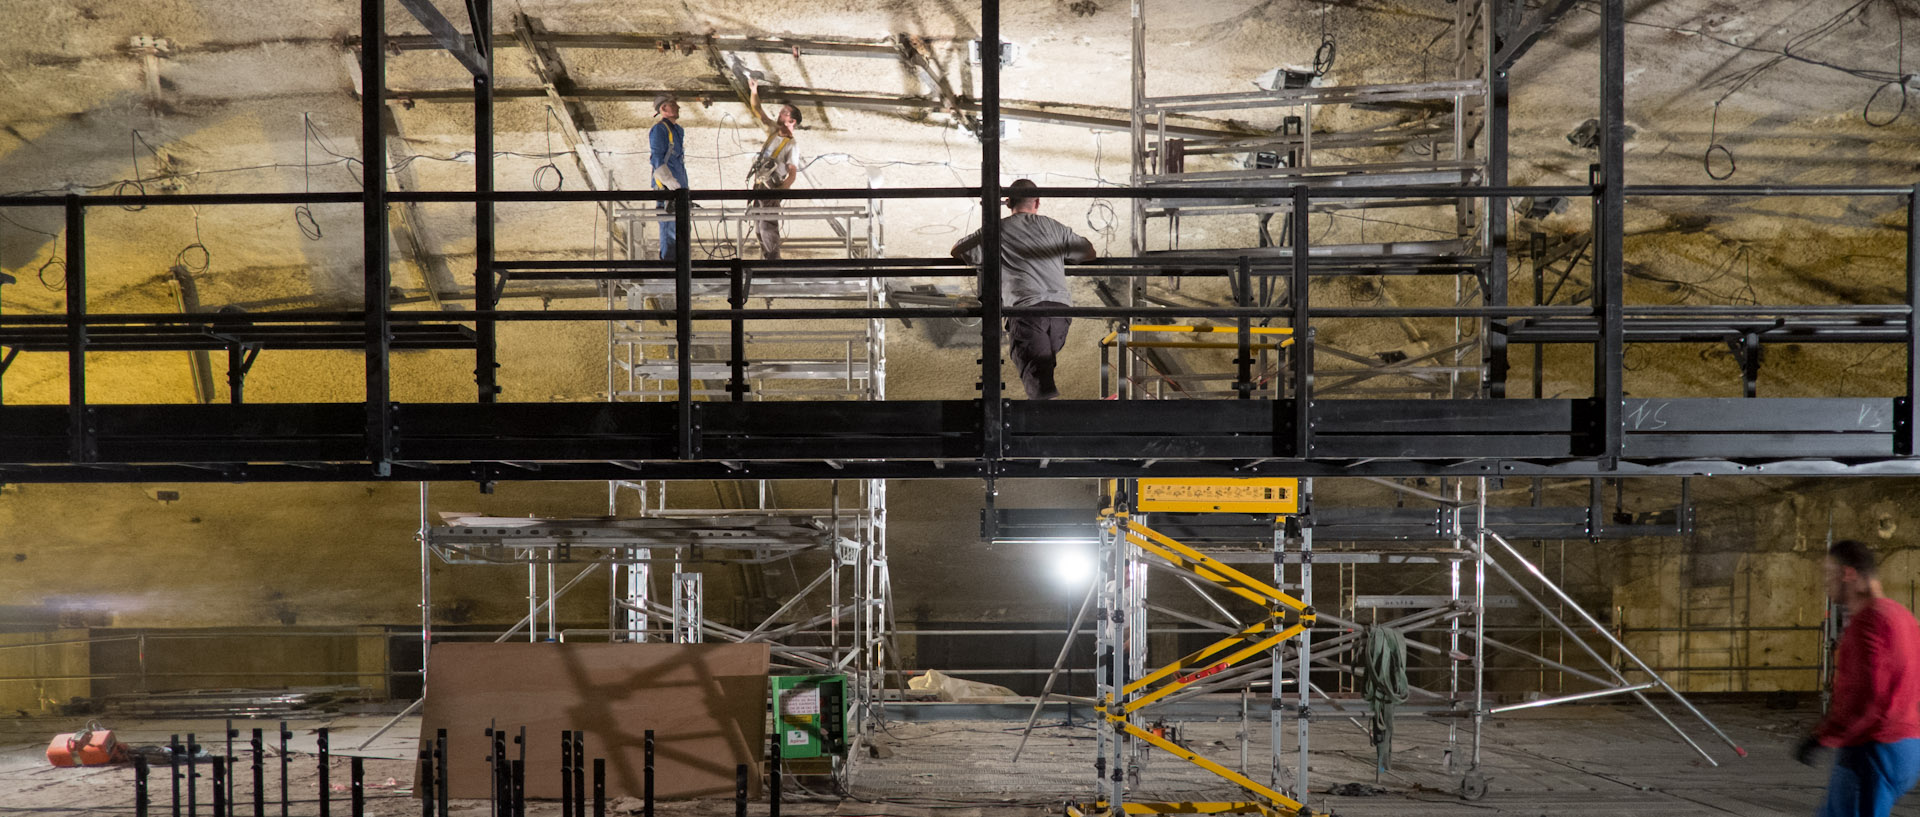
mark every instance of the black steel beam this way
{"type": "Point", "coordinates": [992, 440]}
{"type": "Point", "coordinates": [1495, 283]}
{"type": "Point", "coordinates": [447, 37]}
{"type": "Point", "coordinates": [373, 223]}
{"type": "Point", "coordinates": [1515, 43]}
{"type": "Point", "coordinates": [1609, 213]}
{"type": "Point", "coordinates": [79, 423]}
{"type": "Point", "coordinates": [1909, 413]}
{"type": "Point", "coordinates": [486, 296]}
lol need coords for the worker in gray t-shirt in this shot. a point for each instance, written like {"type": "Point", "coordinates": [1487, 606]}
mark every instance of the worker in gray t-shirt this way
{"type": "Point", "coordinates": [1034, 250]}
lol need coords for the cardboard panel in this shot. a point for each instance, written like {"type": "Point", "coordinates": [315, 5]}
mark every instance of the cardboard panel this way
{"type": "Point", "coordinates": [706, 704]}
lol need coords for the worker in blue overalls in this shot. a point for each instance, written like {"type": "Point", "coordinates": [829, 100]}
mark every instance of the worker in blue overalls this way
{"type": "Point", "coordinates": [667, 143]}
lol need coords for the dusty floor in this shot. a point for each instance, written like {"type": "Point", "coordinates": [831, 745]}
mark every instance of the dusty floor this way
{"type": "Point", "coordinates": [1566, 761]}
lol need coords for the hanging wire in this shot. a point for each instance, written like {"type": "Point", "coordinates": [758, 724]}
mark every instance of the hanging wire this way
{"type": "Point", "coordinates": [139, 188]}
{"type": "Point", "coordinates": [1899, 80]}
{"type": "Point", "coordinates": [185, 258]}
{"type": "Point", "coordinates": [59, 281]}
{"type": "Point", "coordinates": [303, 214]}
{"type": "Point", "coordinates": [549, 171]}
{"type": "Point", "coordinates": [1713, 144]}
{"type": "Point", "coordinates": [1323, 56]}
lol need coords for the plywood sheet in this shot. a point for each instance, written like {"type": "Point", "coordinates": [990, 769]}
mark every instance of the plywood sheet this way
{"type": "Point", "coordinates": [706, 704]}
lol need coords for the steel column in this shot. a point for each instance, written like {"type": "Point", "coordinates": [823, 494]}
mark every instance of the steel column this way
{"type": "Point", "coordinates": [1609, 215]}
{"type": "Point", "coordinates": [1302, 332]}
{"type": "Point", "coordinates": [688, 448]}
{"type": "Point", "coordinates": [373, 226]}
{"type": "Point", "coordinates": [1907, 419]}
{"type": "Point", "coordinates": [486, 357]}
{"type": "Point", "coordinates": [992, 429]}
{"type": "Point", "coordinates": [79, 431]}
{"type": "Point", "coordinates": [1495, 292]}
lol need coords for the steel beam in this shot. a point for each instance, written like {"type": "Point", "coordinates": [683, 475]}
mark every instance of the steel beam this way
{"type": "Point", "coordinates": [1514, 44]}
{"type": "Point", "coordinates": [373, 225]}
{"type": "Point", "coordinates": [449, 38]}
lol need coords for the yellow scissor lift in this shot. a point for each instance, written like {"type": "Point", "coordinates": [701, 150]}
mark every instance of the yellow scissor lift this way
{"type": "Point", "coordinates": [1122, 598]}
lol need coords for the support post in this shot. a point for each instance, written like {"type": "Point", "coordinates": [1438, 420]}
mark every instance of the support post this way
{"type": "Point", "coordinates": [1303, 673]}
{"type": "Point", "coordinates": [1609, 279]}
{"type": "Point", "coordinates": [683, 322]}
{"type": "Point", "coordinates": [1495, 285]}
{"type": "Point", "coordinates": [1302, 330]}
{"type": "Point", "coordinates": [486, 298]}
{"type": "Point", "coordinates": [79, 430]}
{"type": "Point", "coordinates": [993, 434]}
{"type": "Point", "coordinates": [1907, 420]}
{"type": "Point", "coordinates": [373, 236]}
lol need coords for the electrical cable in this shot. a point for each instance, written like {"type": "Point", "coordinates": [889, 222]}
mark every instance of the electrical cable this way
{"type": "Point", "coordinates": [1713, 144]}
{"type": "Point", "coordinates": [1899, 69]}
{"type": "Point", "coordinates": [1323, 56]}
{"type": "Point", "coordinates": [59, 283]}
{"type": "Point", "coordinates": [549, 170]}
{"type": "Point", "coordinates": [182, 258]}
{"type": "Point", "coordinates": [302, 214]}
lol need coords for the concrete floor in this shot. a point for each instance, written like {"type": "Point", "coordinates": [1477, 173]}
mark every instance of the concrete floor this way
{"type": "Point", "coordinates": [1560, 761]}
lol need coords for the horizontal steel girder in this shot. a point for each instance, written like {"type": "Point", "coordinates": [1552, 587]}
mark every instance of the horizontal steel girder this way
{"type": "Point", "coordinates": [942, 439]}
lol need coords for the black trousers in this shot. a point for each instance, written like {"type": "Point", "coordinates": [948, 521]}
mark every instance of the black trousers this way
{"type": "Point", "coordinates": [1032, 343]}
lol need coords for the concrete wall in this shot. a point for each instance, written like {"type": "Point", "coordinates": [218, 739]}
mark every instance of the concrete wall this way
{"type": "Point", "coordinates": [36, 680]}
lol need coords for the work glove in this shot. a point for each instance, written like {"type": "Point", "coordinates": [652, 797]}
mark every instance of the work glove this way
{"type": "Point", "coordinates": [1809, 751]}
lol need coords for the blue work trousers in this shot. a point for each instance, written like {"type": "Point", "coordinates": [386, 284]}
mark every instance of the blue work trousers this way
{"type": "Point", "coordinates": [1868, 780]}
{"type": "Point", "coordinates": [669, 232]}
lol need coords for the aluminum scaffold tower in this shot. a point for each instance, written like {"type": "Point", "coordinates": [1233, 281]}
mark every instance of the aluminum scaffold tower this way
{"type": "Point", "coordinates": [741, 360]}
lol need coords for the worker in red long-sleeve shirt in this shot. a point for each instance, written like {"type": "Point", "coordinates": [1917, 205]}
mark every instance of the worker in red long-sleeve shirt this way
{"type": "Point", "coordinates": [1874, 720]}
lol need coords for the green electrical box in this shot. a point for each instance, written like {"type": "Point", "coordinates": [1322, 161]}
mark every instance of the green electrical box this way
{"type": "Point", "coordinates": [810, 715]}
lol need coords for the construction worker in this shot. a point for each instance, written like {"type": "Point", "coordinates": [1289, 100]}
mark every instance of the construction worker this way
{"type": "Point", "coordinates": [1874, 719]}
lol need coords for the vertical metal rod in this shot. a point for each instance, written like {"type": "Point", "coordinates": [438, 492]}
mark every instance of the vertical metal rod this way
{"type": "Point", "coordinates": [323, 761]}
{"type": "Point", "coordinates": [1907, 423]}
{"type": "Point", "coordinates": [740, 790]}
{"type": "Point", "coordinates": [486, 352]}
{"type": "Point", "coordinates": [259, 775]}
{"type": "Point", "coordinates": [1496, 220]}
{"type": "Point", "coordinates": [773, 772]}
{"type": "Point", "coordinates": [358, 784]}
{"type": "Point", "coordinates": [79, 430]}
{"type": "Point", "coordinates": [683, 322]}
{"type": "Point", "coordinates": [1243, 373]}
{"type": "Point", "coordinates": [1302, 331]}
{"type": "Point", "coordinates": [1479, 615]}
{"type": "Point", "coordinates": [1304, 678]}
{"type": "Point", "coordinates": [426, 587]}
{"type": "Point", "coordinates": [1541, 577]}
{"type": "Point", "coordinates": [646, 781]}
{"type": "Point", "coordinates": [373, 237]}
{"type": "Point", "coordinates": [219, 787]}
{"type": "Point", "coordinates": [579, 773]}
{"type": "Point", "coordinates": [737, 332]}
{"type": "Point", "coordinates": [193, 776]}
{"type": "Point", "coordinates": [1453, 629]}
{"type": "Point", "coordinates": [993, 435]}
{"type": "Point", "coordinates": [599, 787]}
{"type": "Point", "coordinates": [1536, 249]}
{"type": "Point", "coordinates": [440, 776]}
{"type": "Point", "coordinates": [1276, 695]}
{"type": "Point", "coordinates": [139, 785]}
{"type": "Point", "coordinates": [285, 759]}
{"type": "Point", "coordinates": [519, 787]}
{"type": "Point", "coordinates": [1609, 280]}
{"type": "Point", "coordinates": [1137, 127]}
{"type": "Point", "coordinates": [425, 763]}
{"type": "Point", "coordinates": [173, 760]}
{"type": "Point", "coordinates": [566, 772]}
{"type": "Point", "coordinates": [231, 734]}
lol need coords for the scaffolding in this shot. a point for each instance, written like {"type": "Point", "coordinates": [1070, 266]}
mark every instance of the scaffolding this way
{"type": "Point", "coordinates": [840, 620]}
